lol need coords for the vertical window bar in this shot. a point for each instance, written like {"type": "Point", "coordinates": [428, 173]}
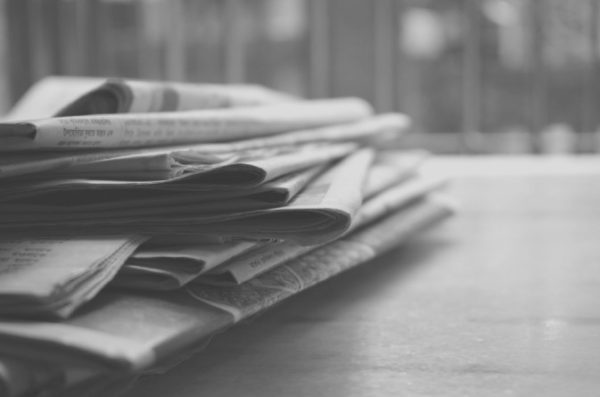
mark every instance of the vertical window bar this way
{"type": "Point", "coordinates": [175, 52]}
{"type": "Point", "coordinates": [471, 81]}
{"type": "Point", "coordinates": [235, 53]}
{"type": "Point", "coordinates": [590, 105]}
{"type": "Point", "coordinates": [150, 58]}
{"type": "Point", "coordinates": [17, 32]}
{"type": "Point", "coordinates": [40, 45]}
{"type": "Point", "coordinates": [319, 48]}
{"type": "Point", "coordinates": [5, 70]}
{"type": "Point", "coordinates": [385, 54]}
{"type": "Point", "coordinates": [409, 86]}
{"type": "Point", "coordinates": [93, 32]}
{"type": "Point", "coordinates": [400, 58]}
{"type": "Point", "coordinates": [539, 74]}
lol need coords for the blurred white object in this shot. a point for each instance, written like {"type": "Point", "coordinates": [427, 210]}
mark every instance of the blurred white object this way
{"type": "Point", "coordinates": [422, 33]}
{"type": "Point", "coordinates": [558, 139]}
{"type": "Point", "coordinates": [49, 95]}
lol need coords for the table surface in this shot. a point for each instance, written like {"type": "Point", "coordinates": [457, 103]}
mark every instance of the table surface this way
{"type": "Point", "coordinates": [503, 299]}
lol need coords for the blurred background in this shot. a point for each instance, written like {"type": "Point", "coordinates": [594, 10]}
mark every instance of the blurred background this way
{"type": "Point", "coordinates": [476, 76]}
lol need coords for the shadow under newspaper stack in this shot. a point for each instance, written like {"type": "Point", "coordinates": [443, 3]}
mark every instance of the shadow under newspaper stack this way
{"type": "Point", "coordinates": [140, 218]}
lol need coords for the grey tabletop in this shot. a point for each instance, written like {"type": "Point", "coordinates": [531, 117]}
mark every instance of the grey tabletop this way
{"type": "Point", "coordinates": [503, 299]}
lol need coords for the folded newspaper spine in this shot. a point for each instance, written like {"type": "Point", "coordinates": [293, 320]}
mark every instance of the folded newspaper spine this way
{"type": "Point", "coordinates": [171, 128]}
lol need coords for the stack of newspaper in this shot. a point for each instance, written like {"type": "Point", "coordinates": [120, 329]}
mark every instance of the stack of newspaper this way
{"type": "Point", "coordinates": [140, 218]}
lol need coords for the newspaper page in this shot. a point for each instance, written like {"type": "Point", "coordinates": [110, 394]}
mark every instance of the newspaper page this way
{"type": "Point", "coordinates": [375, 129]}
{"type": "Point", "coordinates": [396, 197]}
{"type": "Point", "coordinates": [270, 194]}
{"type": "Point", "coordinates": [148, 271]}
{"type": "Point", "coordinates": [220, 178]}
{"type": "Point", "coordinates": [389, 171]}
{"type": "Point", "coordinates": [50, 94]}
{"type": "Point", "coordinates": [386, 172]}
{"type": "Point", "coordinates": [322, 263]}
{"type": "Point", "coordinates": [45, 163]}
{"type": "Point", "coordinates": [171, 128]}
{"type": "Point", "coordinates": [232, 177]}
{"type": "Point", "coordinates": [371, 130]}
{"type": "Point", "coordinates": [74, 96]}
{"type": "Point", "coordinates": [164, 268]}
{"type": "Point", "coordinates": [267, 163]}
{"type": "Point", "coordinates": [118, 331]}
{"type": "Point", "coordinates": [274, 193]}
{"type": "Point", "coordinates": [247, 266]}
{"type": "Point", "coordinates": [391, 167]}
{"type": "Point", "coordinates": [53, 277]}
{"type": "Point", "coordinates": [320, 212]}
{"type": "Point", "coordinates": [106, 335]}
{"type": "Point", "coordinates": [141, 96]}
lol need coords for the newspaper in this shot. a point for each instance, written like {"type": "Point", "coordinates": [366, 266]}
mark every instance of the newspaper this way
{"type": "Point", "coordinates": [375, 129]}
{"type": "Point", "coordinates": [389, 170]}
{"type": "Point", "coordinates": [53, 277]}
{"type": "Point", "coordinates": [248, 266]}
{"type": "Point", "coordinates": [391, 167]}
{"type": "Point", "coordinates": [171, 128]}
{"type": "Point", "coordinates": [275, 193]}
{"type": "Point", "coordinates": [268, 195]}
{"type": "Point", "coordinates": [172, 267]}
{"type": "Point", "coordinates": [233, 176]}
{"type": "Point", "coordinates": [72, 96]}
{"type": "Point", "coordinates": [119, 331]}
{"type": "Point", "coordinates": [49, 95]}
{"type": "Point", "coordinates": [138, 96]}
{"type": "Point", "coordinates": [396, 197]}
{"type": "Point", "coordinates": [320, 212]}
{"type": "Point", "coordinates": [259, 164]}
{"type": "Point", "coordinates": [322, 263]}
{"type": "Point", "coordinates": [124, 331]}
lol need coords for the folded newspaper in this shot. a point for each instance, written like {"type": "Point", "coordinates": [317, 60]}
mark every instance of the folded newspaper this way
{"type": "Point", "coordinates": [320, 212]}
{"type": "Point", "coordinates": [390, 184]}
{"type": "Point", "coordinates": [376, 130]}
{"type": "Point", "coordinates": [138, 96]}
{"type": "Point", "coordinates": [140, 218]}
{"type": "Point", "coordinates": [179, 127]}
{"type": "Point", "coordinates": [52, 277]}
{"type": "Point", "coordinates": [106, 336]}
{"type": "Point", "coordinates": [73, 96]}
{"type": "Point", "coordinates": [250, 264]}
{"type": "Point", "coordinates": [230, 176]}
